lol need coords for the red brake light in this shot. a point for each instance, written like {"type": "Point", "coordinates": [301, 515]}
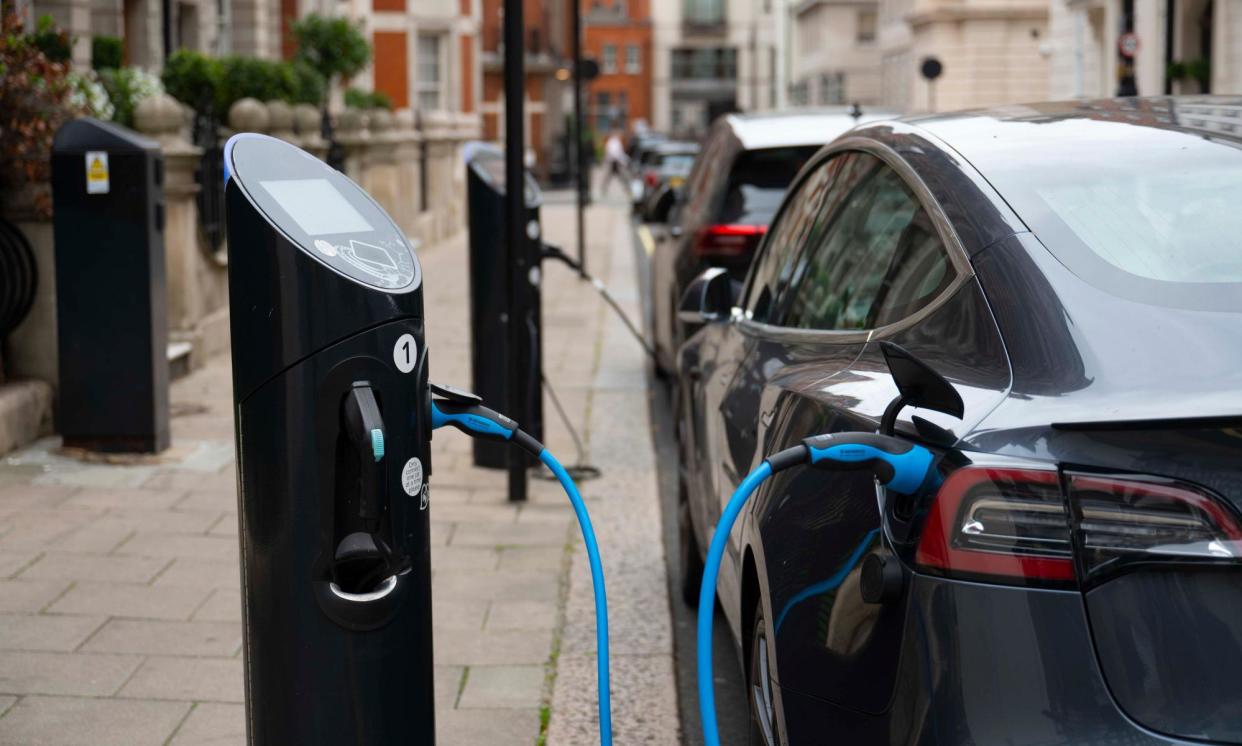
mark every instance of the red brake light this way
{"type": "Point", "coordinates": [721, 241]}
{"type": "Point", "coordinates": [651, 178]}
{"type": "Point", "coordinates": [1012, 526]}
{"type": "Point", "coordinates": [1006, 524]}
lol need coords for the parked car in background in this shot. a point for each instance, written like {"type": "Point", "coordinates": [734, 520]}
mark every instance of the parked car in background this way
{"type": "Point", "coordinates": [1077, 576]}
{"type": "Point", "coordinates": [663, 163]}
{"type": "Point", "coordinates": [639, 145]}
{"type": "Point", "coordinates": [734, 188]}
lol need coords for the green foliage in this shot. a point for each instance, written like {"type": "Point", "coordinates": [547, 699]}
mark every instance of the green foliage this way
{"type": "Point", "coordinates": [332, 46]}
{"type": "Point", "coordinates": [192, 78]}
{"type": "Point", "coordinates": [210, 86]}
{"type": "Point", "coordinates": [126, 88]}
{"type": "Point", "coordinates": [1198, 69]}
{"type": "Point", "coordinates": [247, 77]}
{"type": "Point", "coordinates": [309, 87]}
{"type": "Point", "coordinates": [356, 98]}
{"type": "Point", "coordinates": [56, 45]}
{"type": "Point", "coordinates": [107, 53]}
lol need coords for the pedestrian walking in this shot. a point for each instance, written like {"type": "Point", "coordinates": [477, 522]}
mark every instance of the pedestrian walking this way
{"type": "Point", "coordinates": [616, 164]}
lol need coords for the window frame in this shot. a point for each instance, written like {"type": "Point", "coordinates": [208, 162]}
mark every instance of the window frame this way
{"type": "Point", "coordinates": [440, 86]}
{"type": "Point", "coordinates": [959, 261]}
{"type": "Point", "coordinates": [608, 59]}
{"type": "Point", "coordinates": [633, 66]}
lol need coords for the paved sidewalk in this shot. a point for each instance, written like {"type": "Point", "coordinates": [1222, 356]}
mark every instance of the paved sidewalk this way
{"type": "Point", "coordinates": [119, 583]}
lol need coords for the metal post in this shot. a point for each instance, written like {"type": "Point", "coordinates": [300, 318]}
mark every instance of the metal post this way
{"type": "Point", "coordinates": [581, 165]}
{"type": "Point", "coordinates": [515, 226]}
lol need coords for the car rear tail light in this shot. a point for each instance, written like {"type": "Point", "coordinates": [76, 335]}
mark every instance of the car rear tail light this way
{"type": "Point", "coordinates": [651, 178]}
{"type": "Point", "coordinates": [717, 241]}
{"type": "Point", "coordinates": [1012, 526]}
{"type": "Point", "coordinates": [1123, 520]}
{"type": "Point", "coordinates": [1005, 524]}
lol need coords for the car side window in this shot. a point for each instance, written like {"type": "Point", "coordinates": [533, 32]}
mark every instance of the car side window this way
{"type": "Point", "coordinates": [879, 260]}
{"type": "Point", "coordinates": [799, 225]}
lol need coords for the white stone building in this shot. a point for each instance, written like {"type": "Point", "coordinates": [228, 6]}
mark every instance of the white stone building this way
{"type": "Point", "coordinates": [1180, 47]}
{"type": "Point", "coordinates": [834, 55]}
{"type": "Point", "coordinates": [711, 57]}
{"type": "Point", "coordinates": [991, 51]}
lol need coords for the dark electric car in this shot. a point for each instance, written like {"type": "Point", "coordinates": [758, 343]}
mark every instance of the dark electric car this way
{"type": "Point", "coordinates": [1074, 270]}
{"type": "Point", "coordinates": [733, 190]}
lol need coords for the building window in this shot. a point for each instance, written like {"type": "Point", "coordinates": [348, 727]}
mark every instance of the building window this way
{"type": "Point", "coordinates": [703, 12]}
{"type": "Point", "coordinates": [705, 63]}
{"type": "Point", "coordinates": [832, 88]}
{"type": "Point", "coordinates": [865, 33]}
{"type": "Point", "coordinates": [430, 72]}
{"type": "Point", "coordinates": [603, 112]}
{"type": "Point", "coordinates": [623, 109]}
{"type": "Point", "coordinates": [633, 65]}
{"type": "Point", "coordinates": [610, 58]}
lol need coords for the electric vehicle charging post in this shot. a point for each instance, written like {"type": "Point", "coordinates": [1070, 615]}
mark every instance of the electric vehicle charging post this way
{"type": "Point", "coordinates": [333, 424]}
{"type": "Point", "coordinates": [506, 363]}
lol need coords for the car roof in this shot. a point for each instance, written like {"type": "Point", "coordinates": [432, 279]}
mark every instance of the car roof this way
{"type": "Point", "coordinates": [1007, 137]}
{"type": "Point", "coordinates": [796, 127]}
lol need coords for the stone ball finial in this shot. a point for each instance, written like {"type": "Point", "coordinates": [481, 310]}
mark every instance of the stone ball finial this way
{"type": "Point", "coordinates": [352, 121]}
{"type": "Point", "coordinates": [381, 120]}
{"type": "Point", "coordinates": [306, 119]}
{"type": "Point", "coordinates": [248, 115]}
{"type": "Point", "coordinates": [403, 119]}
{"type": "Point", "coordinates": [279, 116]}
{"type": "Point", "coordinates": [160, 114]}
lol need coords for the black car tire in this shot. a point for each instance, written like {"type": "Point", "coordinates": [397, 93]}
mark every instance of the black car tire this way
{"type": "Point", "coordinates": [688, 546]}
{"type": "Point", "coordinates": [763, 728]}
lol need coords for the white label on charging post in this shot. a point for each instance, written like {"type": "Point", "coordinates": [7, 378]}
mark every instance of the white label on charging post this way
{"type": "Point", "coordinates": [97, 181]}
{"type": "Point", "coordinates": [405, 353]}
{"type": "Point", "coordinates": [412, 477]}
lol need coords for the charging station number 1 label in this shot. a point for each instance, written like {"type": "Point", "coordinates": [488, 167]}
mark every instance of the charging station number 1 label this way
{"type": "Point", "coordinates": [405, 353]}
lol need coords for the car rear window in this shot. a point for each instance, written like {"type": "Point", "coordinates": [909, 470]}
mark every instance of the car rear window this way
{"type": "Point", "coordinates": [1150, 215]}
{"type": "Point", "coordinates": [758, 181]}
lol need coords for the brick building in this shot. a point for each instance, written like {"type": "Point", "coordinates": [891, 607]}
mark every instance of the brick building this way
{"type": "Point", "coordinates": [618, 35]}
{"type": "Point", "coordinates": [547, 53]}
{"type": "Point", "coordinates": [425, 51]}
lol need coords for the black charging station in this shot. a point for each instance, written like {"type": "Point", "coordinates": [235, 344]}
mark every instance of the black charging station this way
{"type": "Point", "coordinates": [333, 429]}
{"type": "Point", "coordinates": [506, 362]}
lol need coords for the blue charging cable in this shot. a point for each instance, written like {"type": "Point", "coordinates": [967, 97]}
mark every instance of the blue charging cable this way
{"type": "Point", "coordinates": [465, 411]}
{"type": "Point", "coordinates": [900, 466]}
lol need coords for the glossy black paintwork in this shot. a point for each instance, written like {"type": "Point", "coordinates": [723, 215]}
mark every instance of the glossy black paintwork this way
{"type": "Point", "coordinates": [319, 668]}
{"type": "Point", "coordinates": [1041, 358]}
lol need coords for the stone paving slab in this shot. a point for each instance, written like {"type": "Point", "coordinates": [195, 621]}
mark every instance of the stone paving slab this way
{"type": "Point", "coordinates": [120, 602]}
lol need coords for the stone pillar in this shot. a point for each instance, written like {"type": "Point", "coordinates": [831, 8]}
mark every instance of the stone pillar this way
{"type": "Point", "coordinates": [407, 156]}
{"type": "Point", "coordinates": [379, 176]}
{"type": "Point", "coordinates": [307, 122]}
{"type": "Point", "coordinates": [197, 279]}
{"type": "Point", "coordinates": [280, 121]}
{"type": "Point", "coordinates": [352, 132]}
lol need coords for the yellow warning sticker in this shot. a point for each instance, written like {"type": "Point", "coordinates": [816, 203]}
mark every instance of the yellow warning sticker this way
{"type": "Point", "coordinates": [97, 181]}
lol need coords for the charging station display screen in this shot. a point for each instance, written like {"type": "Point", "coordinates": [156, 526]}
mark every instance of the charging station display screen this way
{"type": "Point", "coordinates": [323, 212]}
{"type": "Point", "coordinates": [316, 206]}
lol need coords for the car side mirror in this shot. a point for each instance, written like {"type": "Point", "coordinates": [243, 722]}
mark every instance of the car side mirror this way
{"type": "Point", "coordinates": [708, 298]}
{"type": "Point", "coordinates": [918, 385]}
